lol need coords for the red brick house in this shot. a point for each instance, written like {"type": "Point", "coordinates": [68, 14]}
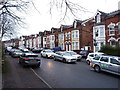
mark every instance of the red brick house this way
{"type": "Point", "coordinates": [106, 29]}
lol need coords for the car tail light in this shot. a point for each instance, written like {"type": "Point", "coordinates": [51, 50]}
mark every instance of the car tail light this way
{"type": "Point", "coordinates": [26, 59]}
{"type": "Point", "coordinates": [38, 59]}
{"type": "Point", "coordinates": [84, 53]}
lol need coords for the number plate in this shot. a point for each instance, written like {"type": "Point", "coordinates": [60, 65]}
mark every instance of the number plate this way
{"type": "Point", "coordinates": [33, 60]}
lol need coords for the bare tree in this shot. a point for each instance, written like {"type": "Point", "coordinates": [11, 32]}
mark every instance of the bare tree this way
{"type": "Point", "coordinates": [8, 18]}
{"type": "Point", "coordinates": [66, 7]}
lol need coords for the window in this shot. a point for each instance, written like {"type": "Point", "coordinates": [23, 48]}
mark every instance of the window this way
{"type": "Point", "coordinates": [104, 59]}
{"type": "Point", "coordinates": [44, 39]}
{"type": "Point", "coordinates": [77, 34]}
{"type": "Point", "coordinates": [92, 55]}
{"type": "Point", "coordinates": [52, 37]}
{"type": "Point", "coordinates": [76, 45]}
{"type": "Point", "coordinates": [72, 45]}
{"type": "Point", "coordinates": [96, 58]}
{"type": "Point", "coordinates": [62, 46]}
{"type": "Point", "coordinates": [102, 33]}
{"type": "Point", "coordinates": [69, 35]}
{"type": "Point", "coordinates": [119, 28]}
{"type": "Point", "coordinates": [98, 18]}
{"type": "Point", "coordinates": [73, 34]}
{"type": "Point", "coordinates": [114, 61]}
{"type": "Point", "coordinates": [95, 32]}
{"type": "Point", "coordinates": [111, 29]}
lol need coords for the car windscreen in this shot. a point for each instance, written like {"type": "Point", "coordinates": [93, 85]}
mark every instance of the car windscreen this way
{"type": "Point", "coordinates": [83, 52]}
{"type": "Point", "coordinates": [72, 53]}
{"type": "Point", "coordinates": [66, 54]}
{"type": "Point", "coordinates": [17, 51]}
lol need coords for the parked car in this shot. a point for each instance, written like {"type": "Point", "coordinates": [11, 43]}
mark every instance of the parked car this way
{"type": "Point", "coordinates": [7, 49]}
{"type": "Point", "coordinates": [16, 53]}
{"type": "Point", "coordinates": [37, 50]}
{"type": "Point", "coordinates": [25, 50]}
{"type": "Point", "coordinates": [85, 53]}
{"type": "Point", "coordinates": [12, 50]}
{"type": "Point", "coordinates": [106, 63]}
{"type": "Point", "coordinates": [29, 59]}
{"type": "Point", "coordinates": [92, 55]}
{"type": "Point", "coordinates": [65, 57]}
{"type": "Point", "coordinates": [47, 53]}
{"type": "Point", "coordinates": [78, 57]}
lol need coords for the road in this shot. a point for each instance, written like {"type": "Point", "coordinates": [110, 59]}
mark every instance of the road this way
{"type": "Point", "coordinates": [79, 75]}
{"type": "Point", "coordinates": [57, 74]}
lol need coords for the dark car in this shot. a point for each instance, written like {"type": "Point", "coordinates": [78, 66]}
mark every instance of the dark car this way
{"type": "Point", "coordinates": [29, 59]}
{"type": "Point", "coordinates": [85, 53]}
{"type": "Point", "coordinates": [16, 53]}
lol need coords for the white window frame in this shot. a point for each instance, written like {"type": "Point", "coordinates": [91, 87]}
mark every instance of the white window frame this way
{"type": "Point", "coordinates": [77, 34]}
{"type": "Point", "coordinates": [111, 30]}
{"type": "Point", "coordinates": [73, 34]}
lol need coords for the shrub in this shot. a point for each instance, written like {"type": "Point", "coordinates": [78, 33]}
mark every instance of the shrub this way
{"type": "Point", "coordinates": [115, 51]}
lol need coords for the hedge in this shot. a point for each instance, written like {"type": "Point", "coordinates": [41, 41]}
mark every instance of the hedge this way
{"type": "Point", "coordinates": [110, 50]}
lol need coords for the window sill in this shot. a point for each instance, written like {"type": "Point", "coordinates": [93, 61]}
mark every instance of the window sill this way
{"type": "Point", "coordinates": [112, 35]}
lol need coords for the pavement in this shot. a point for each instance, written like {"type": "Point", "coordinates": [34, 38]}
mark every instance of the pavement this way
{"type": "Point", "coordinates": [19, 77]}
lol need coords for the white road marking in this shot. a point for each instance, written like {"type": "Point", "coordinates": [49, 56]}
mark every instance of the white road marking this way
{"type": "Point", "coordinates": [42, 79]}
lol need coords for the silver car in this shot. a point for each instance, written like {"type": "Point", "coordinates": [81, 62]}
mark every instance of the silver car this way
{"type": "Point", "coordinates": [78, 57]}
{"type": "Point", "coordinates": [106, 63]}
{"type": "Point", "coordinates": [65, 57]}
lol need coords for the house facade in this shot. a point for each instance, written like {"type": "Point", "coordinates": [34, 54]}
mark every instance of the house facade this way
{"type": "Point", "coordinates": [106, 29]}
{"type": "Point", "coordinates": [90, 34]}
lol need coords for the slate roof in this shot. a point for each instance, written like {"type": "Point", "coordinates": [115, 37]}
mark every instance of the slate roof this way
{"type": "Point", "coordinates": [107, 15]}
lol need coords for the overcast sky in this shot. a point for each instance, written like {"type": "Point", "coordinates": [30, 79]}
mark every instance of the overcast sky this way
{"type": "Point", "coordinates": [42, 20]}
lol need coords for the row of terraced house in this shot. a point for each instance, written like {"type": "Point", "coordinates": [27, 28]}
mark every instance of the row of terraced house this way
{"type": "Point", "coordinates": [89, 34]}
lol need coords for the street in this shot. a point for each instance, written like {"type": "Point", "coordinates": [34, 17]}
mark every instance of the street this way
{"type": "Point", "coordinates": [56, 74]}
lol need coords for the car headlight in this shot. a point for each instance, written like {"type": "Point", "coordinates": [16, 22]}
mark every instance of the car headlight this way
{"type": "Point", "coordinates": [49, 54]}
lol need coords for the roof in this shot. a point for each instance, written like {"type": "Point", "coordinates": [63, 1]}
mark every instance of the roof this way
{"type": "Point", "coordinates": [107, 15]}
{"type": "Point", "coordinates": [113, 13]}
{"type": "Point", "coordinates": [66, 26]}
{"type": "Point", "coordinates": [99, 24]}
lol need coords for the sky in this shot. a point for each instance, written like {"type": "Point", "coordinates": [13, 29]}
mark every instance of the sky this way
{"type": "Point", "coordinates": [40, 19]}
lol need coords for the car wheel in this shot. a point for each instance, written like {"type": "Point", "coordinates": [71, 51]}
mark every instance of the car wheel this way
{"type": "Point", "coordinates": [97, 68]}
{"type": "Point", "coordinates": [41, 55]}
{"type": "Point", "coordinates": [88, 62]}
{"type": "Point", "coordinates": [19, 62]}
{"type": "Point", "coordinates": [46, 56]}
{"type": "Point", "coordinates": [54, 59]}
{"type": "Point", "coordinates": [64, 60]}
{"type": "Point", "coordinates": [38, 65]}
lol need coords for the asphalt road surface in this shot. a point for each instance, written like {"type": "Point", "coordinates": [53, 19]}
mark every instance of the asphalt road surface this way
{"type": "Point", "coordinates": [56, 74]}
{"type": "Point", "coordinates": [79, 75]}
